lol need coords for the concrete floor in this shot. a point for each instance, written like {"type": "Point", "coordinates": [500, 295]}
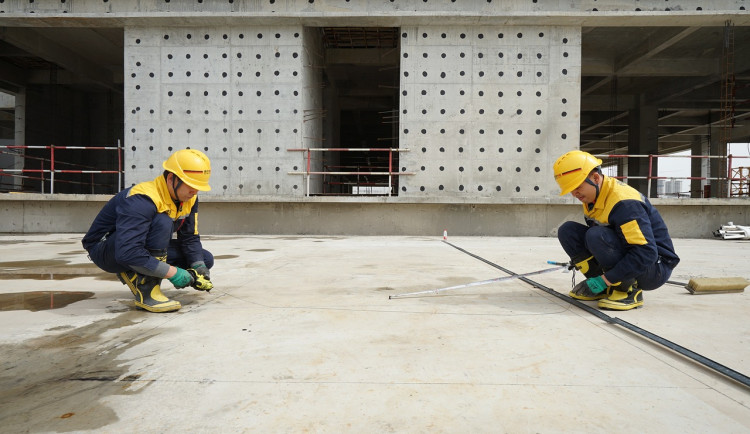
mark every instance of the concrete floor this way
{"type": "Point", "coordinates": [299, 336]}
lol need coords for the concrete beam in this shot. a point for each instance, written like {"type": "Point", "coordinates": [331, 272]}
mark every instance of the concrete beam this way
{"type": "Point", "coordinates": [12, 75]}
{"type": "Point", "coordinates": [650, 48]}
{"type": "Point", "coordinates": [362, 56]}
{"type": "Point", "coordinates": [33, 42]}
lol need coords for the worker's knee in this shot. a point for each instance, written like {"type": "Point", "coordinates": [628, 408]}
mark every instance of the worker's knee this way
{"type": "Point", "coordinates": [571, 229]}
{"type": "Point", "coordinates": [604, 244]}
{"type": "Point", "coordinates": [208, 258]}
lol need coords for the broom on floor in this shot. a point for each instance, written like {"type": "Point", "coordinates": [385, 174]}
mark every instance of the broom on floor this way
{"type": "Point", "coordinates": [713, 285]}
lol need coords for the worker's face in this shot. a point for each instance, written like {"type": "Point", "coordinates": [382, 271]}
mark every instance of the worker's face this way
{"type": "Point", "coordinates": [184, 192]}
{"type": "Point", "coordinates": [586, 192]}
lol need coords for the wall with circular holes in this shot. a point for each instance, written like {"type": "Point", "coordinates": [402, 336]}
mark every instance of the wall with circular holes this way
{"type": "Point", "coordinates": [485, 111]}
{"type": "Point", "coordinates": [235, 93]}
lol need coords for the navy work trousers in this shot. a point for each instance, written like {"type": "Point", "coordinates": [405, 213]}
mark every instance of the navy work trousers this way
{"type": "Point", "coordinates": [601, 242]}
{"type": "Point", "coordinates": [103, 255]}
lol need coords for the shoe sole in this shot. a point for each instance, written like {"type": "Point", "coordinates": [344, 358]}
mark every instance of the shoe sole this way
{"type": "Point", "coordinates": [619, 306]}
{"type": "Point", "coordinates": [584, 298]}
{"type": "Point", "coordinates": [166, 307]}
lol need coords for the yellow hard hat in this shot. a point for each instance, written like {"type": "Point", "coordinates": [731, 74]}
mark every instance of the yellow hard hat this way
{"type": "Point", "coordinates": [191, 166]}
{"type": "Point", "coordinates": [572, 168]}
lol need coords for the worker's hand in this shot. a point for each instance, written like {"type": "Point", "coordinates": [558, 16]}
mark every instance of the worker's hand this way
{"type": "Point", "coordinates": [181, 278]}
{"type": "Point", "coordinates": [200, 268]}
{"type": "Point", "coordinates": [591, 286]}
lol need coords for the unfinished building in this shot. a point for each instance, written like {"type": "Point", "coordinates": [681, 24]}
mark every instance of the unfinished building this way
{"type": "Point", "coordinates": [392, 116]}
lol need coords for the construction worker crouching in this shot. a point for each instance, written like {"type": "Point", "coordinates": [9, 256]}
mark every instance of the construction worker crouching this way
{"type": "Point", "coordinates": [624, 248]}
{"type": "Point", "coordinates": [132, 235]}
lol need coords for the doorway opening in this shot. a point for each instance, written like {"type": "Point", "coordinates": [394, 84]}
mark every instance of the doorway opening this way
{"type": "Point", "coordinates": [361, 103]}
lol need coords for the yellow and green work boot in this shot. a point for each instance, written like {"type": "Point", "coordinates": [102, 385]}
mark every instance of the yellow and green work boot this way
{"type": "Point", "coordinates": [623, 300]}
{"type": "Point", "coordinates": [582, 292]}
{"type": "Point", "coordinates": [590, 267]}
{"type": "Point", "coordinates": [147, 292]}
{"type": "Point", "coordinates": [128, 278]}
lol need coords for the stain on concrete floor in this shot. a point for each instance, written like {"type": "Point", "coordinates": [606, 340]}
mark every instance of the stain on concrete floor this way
{"type": "Point", "coordinates": [35, 301]}
{"type": "Point", "coordinates": [70, 374]}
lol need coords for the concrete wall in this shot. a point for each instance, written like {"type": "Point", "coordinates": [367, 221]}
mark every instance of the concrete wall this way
{"type": "Point", "coordinates": [686, 218]}
{"type": "Point", "coordinates": [486, 110]}
{"type": "Point", "coordinates": [236, 93]}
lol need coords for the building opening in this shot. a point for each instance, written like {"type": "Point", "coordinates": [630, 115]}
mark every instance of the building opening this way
{"type": "Point", "coordinates": [361, 108]}
{"type": "Point", "coordinates": [61, 109]}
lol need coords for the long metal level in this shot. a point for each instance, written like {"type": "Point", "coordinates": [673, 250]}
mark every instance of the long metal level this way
{"type": "Point", "coordinates": [705, 361]}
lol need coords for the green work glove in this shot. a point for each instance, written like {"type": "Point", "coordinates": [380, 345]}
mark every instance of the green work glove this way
{"type": "Point", "coordinates": [200, 268]}
{"type": "Point", "coordinates": [181, 278]}
{"type": "Point", "coordinates": [596, 284]}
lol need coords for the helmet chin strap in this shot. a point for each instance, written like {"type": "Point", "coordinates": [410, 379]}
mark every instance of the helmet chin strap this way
{"type": "Point", "coordinates": [596, 186]}
{"type": "Point", "coordinates": [176, 183]}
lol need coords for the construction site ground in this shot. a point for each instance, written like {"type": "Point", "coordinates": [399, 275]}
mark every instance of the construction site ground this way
{"type": "Point", "coordinates": [299, 335]}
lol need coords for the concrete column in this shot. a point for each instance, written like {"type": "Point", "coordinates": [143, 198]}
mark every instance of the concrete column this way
{"type": "Point", "coordinates": [643, 139]}
{"type": "Point", "coordinates": [622, 167]}
{"type": "Point", "coordinates": [332, 134]}
{"type": "Point", "coordinates": [20, 134]}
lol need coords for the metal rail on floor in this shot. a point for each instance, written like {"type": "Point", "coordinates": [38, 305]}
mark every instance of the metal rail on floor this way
{"type": "Point", "coordinates": [705, 361]}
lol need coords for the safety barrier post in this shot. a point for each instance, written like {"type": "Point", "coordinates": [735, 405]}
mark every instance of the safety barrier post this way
{"type": "Point", "coordinates": [390, 170]}
{"type": "Point", "coordinates": [729, 176]}
{"type": "Point", "coordinates": [119, 165]}
{"type": "Point", "coordinates": [307, 175]}
{"type": "Point", "coordinates": [650, 168]}
{"type": "Point", "coordinates": [52, 169]}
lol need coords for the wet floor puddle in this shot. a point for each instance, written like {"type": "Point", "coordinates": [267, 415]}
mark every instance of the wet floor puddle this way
{"type": "Point", "coordinates": [226, 256]}
{"type": "Point", "coordinates": [49, 269]}
{"type": "Point", "coordinates": [35, 301]}
{"type": "Point", "coordinates": [9, 265]}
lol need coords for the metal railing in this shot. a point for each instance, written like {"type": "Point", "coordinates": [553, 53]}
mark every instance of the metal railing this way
{"type": "Point", "coordinates": [732, 178]}
{"type": "Point", "coordinates": [50, 166]}
{"type": "Point", "coordinates": [357, 172]}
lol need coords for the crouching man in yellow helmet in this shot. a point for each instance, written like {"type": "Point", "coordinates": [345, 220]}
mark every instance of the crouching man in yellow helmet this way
{"type": "Point", "coordinates": [624, 248]}
{"type": "Point", "coordinates": [132, 235]}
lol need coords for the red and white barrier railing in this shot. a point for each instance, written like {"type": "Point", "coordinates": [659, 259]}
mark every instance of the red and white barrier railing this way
{"type": "Point", "coordinates": [389, 173]}
{"type": "Point", "coordinates": [733, 176]}
{"type": "Point", "coordinates": [54, 161]}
